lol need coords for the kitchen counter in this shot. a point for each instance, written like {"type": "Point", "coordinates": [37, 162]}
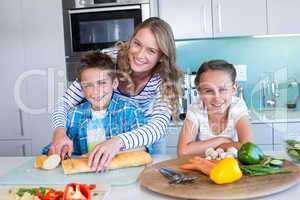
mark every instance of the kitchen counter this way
{"type": "Point", "coordinates": [278, 115]}
{"type": "Point", "coordinates": [274, 116]}
{"type": "Point", "coordinates": [135, 191]}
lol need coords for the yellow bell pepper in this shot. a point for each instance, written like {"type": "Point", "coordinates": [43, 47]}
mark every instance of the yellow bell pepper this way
{"type": "Point", "coordinates": [226, 171]}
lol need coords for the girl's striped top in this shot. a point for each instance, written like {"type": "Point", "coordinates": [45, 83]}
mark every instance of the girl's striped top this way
{"type": "Point", "coordinates": [157, 112]}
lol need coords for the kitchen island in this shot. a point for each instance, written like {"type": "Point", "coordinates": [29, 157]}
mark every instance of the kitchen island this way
{"type": "Point", "coordinates": [135, 191]}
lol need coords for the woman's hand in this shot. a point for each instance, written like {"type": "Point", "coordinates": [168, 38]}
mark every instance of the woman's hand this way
{"type": "Point", "coordinates": [102, 154]}
{"type": "Point", "coordinates": [61, 143]}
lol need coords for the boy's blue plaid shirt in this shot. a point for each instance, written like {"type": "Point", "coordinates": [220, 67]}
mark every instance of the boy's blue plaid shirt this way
{"type": "Point", "coordinates": [122, 115]}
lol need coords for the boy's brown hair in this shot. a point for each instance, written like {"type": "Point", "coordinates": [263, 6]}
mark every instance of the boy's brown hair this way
{"type": "Point", "coordinates": [96, 59]}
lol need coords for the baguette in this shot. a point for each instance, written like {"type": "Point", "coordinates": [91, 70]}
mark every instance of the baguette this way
{"type": "Point", "coordinates": [47, 162]}
{"type": "Point", "coordinates": [39, 160]}
{"type": "Point", "coordinates": [122, 160]}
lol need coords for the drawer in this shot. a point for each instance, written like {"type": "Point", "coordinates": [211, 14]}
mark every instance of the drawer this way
{"type": "Point", "coordinates": [283, 131]}
{"type": "Point", "coordinates": [15, 147]}
{"type": "Point", "coordinates": [172, 136]}
{"type": "Point", "coordinates": [263, 133]}
{"type": "Point", "coordinates": [265, 147]}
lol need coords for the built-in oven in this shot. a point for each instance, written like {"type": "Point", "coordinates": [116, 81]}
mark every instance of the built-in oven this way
{"type": "Point", "coordinates": [98, 24]}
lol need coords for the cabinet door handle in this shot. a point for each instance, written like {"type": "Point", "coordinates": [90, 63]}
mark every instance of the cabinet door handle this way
{"type": "Point", "coordinates": [219, 18]}
{"type": "Point", "coordinates": [205, 18]}
{"type": "Point", "coordinates": [23, 150]}
{"type": "Point", "coordinates": [21, 122]}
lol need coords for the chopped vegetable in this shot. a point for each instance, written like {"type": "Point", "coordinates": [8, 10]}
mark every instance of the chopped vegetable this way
{"type": "Point", "coordinates": [262, 170]}
{"type": "Point", "coordinates": [293, 149]}
{"type": "Point", "coordinates": [199, 164]}
{"type": "Point", "coordinates": [250, 153]}
{"type": "Point", "coordinates": [51, 194]}
{"type": "Point", "coordinates": [276, 163]}
{"type": "Point", "coordinates": [31, 191]}
{"type": "Point", "coordinates": [219, 153]}
{"type": "Point", "coordinates": [74, 191]}
{"type": "Point", "coordinates": [226, 171]}
{"type": "Point", "coordinates": [41, 193]}
{"type": "Point", "coordinates": [21, 191]}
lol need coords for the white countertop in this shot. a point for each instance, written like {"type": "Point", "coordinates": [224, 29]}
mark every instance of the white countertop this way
{"type": "Point", "coordinates": [135, 191]}
{"type": "Point", "coordinates": [278, 115]}
{"type": "Point", "coordinates": [275, 116]}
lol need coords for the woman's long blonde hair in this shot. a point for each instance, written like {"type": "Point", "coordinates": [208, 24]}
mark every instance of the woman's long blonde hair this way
{"type": "Point", "coordinates": [166, 67]}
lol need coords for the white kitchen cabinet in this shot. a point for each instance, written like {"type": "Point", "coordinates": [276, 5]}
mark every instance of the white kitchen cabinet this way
{"type": "Point", "coordinates": [263, 135]}
{"type": "Point", "coordinates": [44, 58]}
{"type": "Point", "coordinates": [15, 148]}
{"type": "Point", "coordinates": [214, 18]}
{"type": "Point", "coordinates": [283, 131]}
{"type": "Point", "coordinates": [168, 144]}
{"type": "Point", "coordinates": [33, 68]}
{"type": "Point", "coordinates": [283, 16]}
{"type": "Point", "coordinates": [172, 139]}
{"type": "Point", "coordinates": [188, 19]}
{"type": "Point", "coordinates": [239, 18]}
{"type": "Point", "coordinates": [11, 60]}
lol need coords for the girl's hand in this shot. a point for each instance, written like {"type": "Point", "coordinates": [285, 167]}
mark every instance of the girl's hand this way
{"type": "Point", "coordinates": [226, 143]}
{"type": "Point", "coordinates": [102, 154]}
{"type": "Point", "coordinates": [226, 140]}
{"type": "Point", "coordinates": [61, 143]}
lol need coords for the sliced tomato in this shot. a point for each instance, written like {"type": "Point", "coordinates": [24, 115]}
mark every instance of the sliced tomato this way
{"type": "Point", "coordinates": [92, 186]}
{"type": "Point", "coordinates": [38, 193]}
{"type": "Point", "coordinates": [84, 189]}
{"type": "Point", "coordinates": [51, 194]}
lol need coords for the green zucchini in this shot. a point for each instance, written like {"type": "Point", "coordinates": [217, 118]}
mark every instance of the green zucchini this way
{"type": "Point", "coordinates": [276, 163]}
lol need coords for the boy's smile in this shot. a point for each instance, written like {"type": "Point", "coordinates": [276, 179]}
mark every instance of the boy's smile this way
{"type": "Point", "coordinates": [97, 87]}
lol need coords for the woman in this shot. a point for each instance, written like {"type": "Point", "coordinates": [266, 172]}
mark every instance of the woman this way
{"type": "Point", "coordinates": [149, 76]}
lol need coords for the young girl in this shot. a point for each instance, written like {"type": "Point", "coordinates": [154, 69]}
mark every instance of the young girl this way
{"type": "Point", "coordinates": [218, 119]}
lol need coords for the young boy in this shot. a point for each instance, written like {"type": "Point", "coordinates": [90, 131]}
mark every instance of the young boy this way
{"type": "Point", "coordinates": [105, 114]}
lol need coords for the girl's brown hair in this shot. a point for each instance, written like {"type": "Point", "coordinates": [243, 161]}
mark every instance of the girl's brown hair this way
{"type": "Point", "coordinates": [167, 69]}
{"type": "Point", "coordinates": [96, 59]}
{"type": "Point", "coordinates": [220, 65]}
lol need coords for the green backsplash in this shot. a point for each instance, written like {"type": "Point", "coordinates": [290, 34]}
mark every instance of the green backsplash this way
{"type": "Point", "coordinates": [281, 54]}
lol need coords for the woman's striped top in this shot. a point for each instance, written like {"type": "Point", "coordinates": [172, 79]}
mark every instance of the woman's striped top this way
{"type": "Point", "coordinates": [157, 113]}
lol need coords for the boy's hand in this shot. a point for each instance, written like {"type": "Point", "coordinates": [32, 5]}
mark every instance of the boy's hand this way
{"type": "Point", "coordinates": [102, 154]}
{"type": "Point", "coordinates": [61, 143]}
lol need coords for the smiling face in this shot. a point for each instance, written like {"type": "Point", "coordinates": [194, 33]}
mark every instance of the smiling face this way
{"type": "Point", "coordinates": [97, 87]}
{"type": "Point", "coordinates": [216, 89]}
{"type": "Point", "coordinates": [144, 52]}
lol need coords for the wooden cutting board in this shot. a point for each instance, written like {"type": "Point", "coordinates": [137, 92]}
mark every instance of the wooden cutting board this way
{"type": "Point", "coordinates": [203, 188]}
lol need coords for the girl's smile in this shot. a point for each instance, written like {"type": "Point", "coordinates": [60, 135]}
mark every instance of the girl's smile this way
{"type": "Point", "coordinates": [216, 89]}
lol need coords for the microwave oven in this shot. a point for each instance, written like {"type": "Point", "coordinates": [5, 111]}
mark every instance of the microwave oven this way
{"type": "Point", "coordinates": [98, 24]}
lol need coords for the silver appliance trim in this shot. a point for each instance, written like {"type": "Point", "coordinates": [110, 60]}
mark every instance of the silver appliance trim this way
{"type": "Point", "coordinates": [73, 4]}
{"type": "Point", "coordinates": [104, 9]}
{"type": "Point", "coordinates": [71, 36]}
{"type": "Point", "coordinates": [145, 11]}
